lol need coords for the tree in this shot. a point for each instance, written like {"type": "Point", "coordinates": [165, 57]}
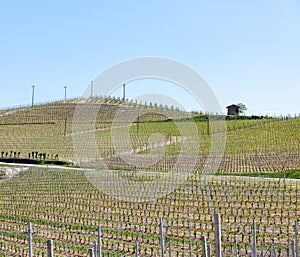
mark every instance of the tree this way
{"type": "Point", "coordinates": [243, 107]}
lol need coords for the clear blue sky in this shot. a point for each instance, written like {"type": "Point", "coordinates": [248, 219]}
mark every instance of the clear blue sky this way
{"type": "Point", "coordinates": [248, 51]}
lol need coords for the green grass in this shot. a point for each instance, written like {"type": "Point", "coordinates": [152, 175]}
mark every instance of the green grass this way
{"type": "Point", "coordinates": [293, 174]}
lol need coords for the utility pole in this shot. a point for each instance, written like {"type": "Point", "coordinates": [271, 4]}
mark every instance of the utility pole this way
{"type": "Point", "coordinates": [32, 95]}
{"type": "Point", "coordinates": [91, 89]}
{"type": "Point", "coordinates": [66, 119]}
{"type": "Point", "coordinates": [123, 92]}
{"type": "Point", "coordinates": [65, 92]}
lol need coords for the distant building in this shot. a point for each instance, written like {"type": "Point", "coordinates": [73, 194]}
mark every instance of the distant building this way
{"type": "Point", "coordinates": [233, 109]}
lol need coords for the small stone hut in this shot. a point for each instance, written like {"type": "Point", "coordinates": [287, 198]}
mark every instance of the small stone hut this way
{"type": "Point", "coordinates": [233, 109]}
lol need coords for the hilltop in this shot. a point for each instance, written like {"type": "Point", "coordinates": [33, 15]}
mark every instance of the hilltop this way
{"type": "Point", "coordinates": [47, 128]}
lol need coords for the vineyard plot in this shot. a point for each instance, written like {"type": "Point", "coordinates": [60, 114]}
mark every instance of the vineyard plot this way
{"type": "Point", "coordinates": [63, 206]}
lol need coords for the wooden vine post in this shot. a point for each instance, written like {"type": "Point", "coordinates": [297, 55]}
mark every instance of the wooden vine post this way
{"type": "Point", "coordinates": [136, 249]}
{"type": "Point", "coordinates": [91, 252]}
{"type": "Point", "coordinates": [30, 238]}
{"type": "Point", "coordinates": [162, 243]}
{"type": "Point", "coordinates": [99, 246]}
{"type": "Point", "coordinates": [217, 228]}
{"type": "Point", "coordinates": [204, 246]}
{"type": "Point", "coordinates": [296, 237]}
{"type": "Point", "coordinates": [254, 252]}
{"type": "Point", "coordinates": [50, 248]}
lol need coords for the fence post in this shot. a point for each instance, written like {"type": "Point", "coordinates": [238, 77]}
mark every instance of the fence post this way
{"type": "Point", "coordinates": [162, 243]}
{"type": "Point", "coordinates": [99, 246]}
{"type": "Point", "coordinates": [217, 228]}
{"type": "Point", "coordinates": [50, 248]}
{"type": "Point", "coordinates": [254, 252]}
{"type": "Point", "coordinates": [204, 246]}
{"type": "Point", "coordinates": [30, 238]}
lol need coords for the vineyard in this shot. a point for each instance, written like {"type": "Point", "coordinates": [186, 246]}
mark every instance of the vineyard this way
{"type": "Point", "coordinates": [64, 205]}
{"type": "Point", "coordinates": [251, 145]}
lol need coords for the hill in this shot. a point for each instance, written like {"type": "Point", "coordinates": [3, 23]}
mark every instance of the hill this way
{"type": "Point", "coordinates": [47, 128]}
{"type": "Point", "coordinates": [268, 144]}
{"type": "Point", "coordinates": [64, 204]}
